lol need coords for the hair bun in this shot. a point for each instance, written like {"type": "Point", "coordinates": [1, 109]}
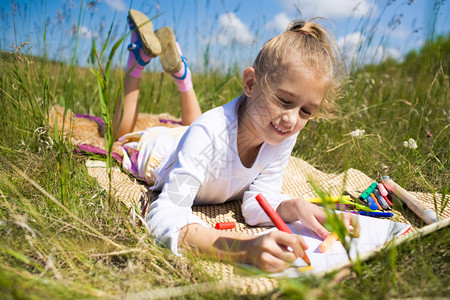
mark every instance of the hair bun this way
{"type": "Point", "coordinates": [299, 26]}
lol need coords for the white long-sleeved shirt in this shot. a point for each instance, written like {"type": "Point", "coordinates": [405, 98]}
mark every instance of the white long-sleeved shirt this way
{"type": "Point", "coordinates": [205, 168]}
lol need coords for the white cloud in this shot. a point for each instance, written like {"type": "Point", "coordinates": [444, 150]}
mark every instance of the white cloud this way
{"type": "Point", "coordinates": [350, 42]}
{"type": "Point", "coordinates": [233, 30]}
{"type": "Point", "coordinates": [329, 8]}
{"type": "Point", "coordinates": [86, 33]}
{"type": "Point", "coordinates": [279, 22]}
{"type": "Point", "coordinates": [355, 50]}
{"type": "Point", "coordinates": [116, 4]}
{"type": "Point", "coordinates": [349, 46]}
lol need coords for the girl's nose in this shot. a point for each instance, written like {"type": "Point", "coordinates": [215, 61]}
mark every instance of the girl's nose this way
{"type": "Point", "coordinates": [289, 118]}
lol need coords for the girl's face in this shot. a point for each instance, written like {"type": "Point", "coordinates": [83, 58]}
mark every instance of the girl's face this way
{"type": "Point", "coordinates": [297, 95]}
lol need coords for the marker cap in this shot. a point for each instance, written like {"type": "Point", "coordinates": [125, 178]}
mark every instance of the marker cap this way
{"type": "Point", "coordinates": [225, 225]}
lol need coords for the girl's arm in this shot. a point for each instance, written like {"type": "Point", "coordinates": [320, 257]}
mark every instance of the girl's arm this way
{"type": "Point", "coordinates": [268, 252]}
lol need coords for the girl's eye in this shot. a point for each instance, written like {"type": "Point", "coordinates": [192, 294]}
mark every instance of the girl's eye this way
{"type": "Point", "coordinates": [306, 111]}
{"type": "Point", "coordinates": [284, 101]}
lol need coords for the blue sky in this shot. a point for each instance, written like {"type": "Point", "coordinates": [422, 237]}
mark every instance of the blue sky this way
{"type": "Point", "coordinates": [223, 31]}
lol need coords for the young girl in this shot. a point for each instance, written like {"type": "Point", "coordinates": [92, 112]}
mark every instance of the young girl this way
{"type": "Point", "coordinates": [234, 151]}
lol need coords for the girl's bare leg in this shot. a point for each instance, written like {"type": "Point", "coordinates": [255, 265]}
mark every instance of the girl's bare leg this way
{"type": "Point", "coordinates": [190, 109]}
{"type": "Point", "coordinates": [143, 47]}
{"type": "Point", "coordinates": [129, 113]}
{"type": "Point", "coordinates": [126, 113]}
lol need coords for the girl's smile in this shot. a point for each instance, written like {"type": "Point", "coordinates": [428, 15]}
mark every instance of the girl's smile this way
{"type": "Point", "coordinates": [279, 130]}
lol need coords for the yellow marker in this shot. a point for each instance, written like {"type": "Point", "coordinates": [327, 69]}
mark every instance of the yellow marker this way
{"type": "Point", "coordinates": [328, 242]}
{"type": "Point", "coordinates": [305, 269]}
{"type": "Point", "coordinates": [329, 199]}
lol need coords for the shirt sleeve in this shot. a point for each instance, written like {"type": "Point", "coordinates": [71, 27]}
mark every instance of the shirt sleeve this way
{"type": "Point", "coordinates": [268, 182]}
{"type": "Point", "coordinates": [187, 167]}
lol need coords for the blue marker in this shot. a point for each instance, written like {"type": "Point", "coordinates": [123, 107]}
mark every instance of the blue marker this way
{"type": "Point", "coordinates": [371, 203]}
{"type": "Point", "coordinates": [374, 214]}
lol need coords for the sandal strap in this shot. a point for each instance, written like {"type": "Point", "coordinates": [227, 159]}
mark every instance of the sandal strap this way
{"type": "Point", "coordinates": [131, 23]}
{"type": "Point", "coordinates": [134, 48]}
{"type": "Point", "coordinates": [183, 59]}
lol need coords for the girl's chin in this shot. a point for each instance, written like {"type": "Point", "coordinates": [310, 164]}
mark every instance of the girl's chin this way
{"type": "Point", "coordinates": [276, 140]}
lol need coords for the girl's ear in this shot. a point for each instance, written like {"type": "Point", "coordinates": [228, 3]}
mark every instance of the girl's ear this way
{"type": "Point", "coordinates": [248, 79]}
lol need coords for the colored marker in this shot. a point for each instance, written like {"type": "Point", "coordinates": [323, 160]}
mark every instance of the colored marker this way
{"type": "Point", "coordinates": [328, 199]}
{"type": "Point", "coordinates": [382, 190]}
{"type": "Point", "coordinates": [381, 200]}
{"type": "Point", "coordinates": [340, 205]}
{"type": "Point", "coordinates": [375, 214]}
{"type": "Point", "coordinates": [276, 219]}
{"type": "Point", "coordinates": [357, 205]}
{"type": "Point", "coordinates": [371, 203]}
{"type": "Point", "coordinates": [225, 225]}
{"type": "Point", "coordinates": [388, 202]}
{"type": "Point", "coordinates": [394, 199]}
{"type": "Point", "coordinates": [305, 269]}
{"type": "Point", "coordinates": [328, 242]}
{"type": "Point", "coordinates": [376, 201]}
{"type": "Point", "coordinates": [368, 191]}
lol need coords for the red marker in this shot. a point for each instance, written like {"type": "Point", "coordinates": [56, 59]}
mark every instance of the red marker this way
{"type": "Point", "coordinates": [387, 200]}
{"type": "Point", "coordinates": [276, 219]}
{"type": "Point", "coordinates": [225, 225]}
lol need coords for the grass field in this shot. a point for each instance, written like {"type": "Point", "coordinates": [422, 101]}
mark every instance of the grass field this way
{"type": "Point", "coordinates": [62, 237]}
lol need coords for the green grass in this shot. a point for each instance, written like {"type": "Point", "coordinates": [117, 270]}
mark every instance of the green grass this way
{"type": "Point", "coordinates": [87, 249]}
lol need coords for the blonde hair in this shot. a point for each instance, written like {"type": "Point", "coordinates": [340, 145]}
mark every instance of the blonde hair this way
{"type": "Point", "coordinates": [316, 48]}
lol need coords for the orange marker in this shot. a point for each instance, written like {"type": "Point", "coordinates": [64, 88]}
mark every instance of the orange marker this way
{"type": "Point", "coordinates": [376, 201]}
{"type": "Point", "coordinates": [328, 242]}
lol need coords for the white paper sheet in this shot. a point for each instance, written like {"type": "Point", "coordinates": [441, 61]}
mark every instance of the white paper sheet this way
{"type": "Point", "coordinates": [374, 233]}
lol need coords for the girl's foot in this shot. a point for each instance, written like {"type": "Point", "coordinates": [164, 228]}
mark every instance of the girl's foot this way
{"type": "Point", "coordinates": [144, 43]}
{"type": "Point", "coordinates": [149, 41]}
{"type": "Point", "coordinates": [172, 60]}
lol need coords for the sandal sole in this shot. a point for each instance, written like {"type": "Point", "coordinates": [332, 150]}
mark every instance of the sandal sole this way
{"type": "Point", "coordinates": [150, 43]}
{"type": "Point", "coordinates": [169, 57]}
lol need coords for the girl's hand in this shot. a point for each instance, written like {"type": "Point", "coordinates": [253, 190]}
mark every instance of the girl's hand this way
{"type": "Point", "coordinates": [313, 216]}
{"type": "Point", "coordinates": [270, 251]}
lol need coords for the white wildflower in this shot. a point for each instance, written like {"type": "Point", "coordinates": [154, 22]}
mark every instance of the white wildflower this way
{"type": "Point", "coordinates": [411, 143]}
{"type": "Point", "coordinates": [357, 132]}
